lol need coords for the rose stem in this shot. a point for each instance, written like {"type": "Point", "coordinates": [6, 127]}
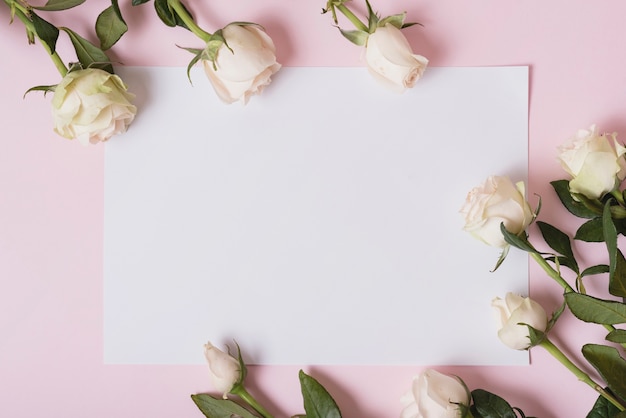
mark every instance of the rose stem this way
{"type": "Point", "coordinates": [21, 13]}
{"type": "Point", "coordinates": [352, 18]}
{"type": "Point", "coordinates": [188, 20]}
{"type": "Point", "coordinates": [240, 391]}
{"type": "Point", "coordinates": [581, 375]}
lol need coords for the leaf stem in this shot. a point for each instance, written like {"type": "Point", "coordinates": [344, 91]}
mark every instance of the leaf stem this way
{"type": "Point", "coordinates": [352, 18]}
{"type": "Point", "coordinates": [240, 391]}
{"type": "Point", "coordinates": [581, 375]}
{"type": "Point", "coordinates": [22, 14]}
{"type": "Point", "coordinates": [177, 6]}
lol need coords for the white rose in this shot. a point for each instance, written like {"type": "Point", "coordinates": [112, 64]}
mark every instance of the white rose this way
{"type": "Point", "coordinates": [595, 162]}
{"type": "Point", "coordinates": [224, 370]}
{"type": "Point", "coordinates": [434, 394]}
{"type": "Point", "coordinates": [514, 310]}
{"type": "Point", "coordinates": [494, 202]}
{"type": "Point", "coordinates": [390, 59]}
{"type": "Point", "coordinates": [91, 105]}
{"type": "Point", "coordinates": [244, 64]}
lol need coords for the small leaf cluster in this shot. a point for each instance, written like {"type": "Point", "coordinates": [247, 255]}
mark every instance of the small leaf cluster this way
{"type": "Point", "coordinates": [109, 28]}
{"type": "Point", "coordinates": [604, 219]}
{"type": "Point", "coordinates": [318, 403]}
{"type": "Point", "coordinates": [359, 35]}
{"type": "Point", "coordinates": [167, 13]}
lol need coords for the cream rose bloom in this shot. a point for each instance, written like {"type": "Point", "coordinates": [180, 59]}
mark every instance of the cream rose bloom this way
{"type": "Point", "coordinates": [244, 65]}
{"type": "Point", "coordinates": [390, 59]}
{"type": "Point", "coordinates": [595, 162]}
{"type": "Point", "coordinates": [91, 105]}
{"type": "Point", "coordinates": [435, 394]}
{"type": "Point", "coordinates": [514, 310]}
{"type": "Point", "coordinates": [224, 370]}
{"type": "Point", "coordinates": [496, 201]}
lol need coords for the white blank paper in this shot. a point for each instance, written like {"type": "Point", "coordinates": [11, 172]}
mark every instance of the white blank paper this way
{"type": "Point", "coordinates": [319, 224]}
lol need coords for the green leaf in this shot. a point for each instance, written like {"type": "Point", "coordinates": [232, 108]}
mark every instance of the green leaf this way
{"type": "Point", "coordinates": [617, 281]}
{"type": "Point", "coordinates": [488, 405]}
{"type": "Point", "coordinates": [47, 32]}
{"type": "Point", "coordinates": [599, 311]}
{"type": "Point", "coordinates": [220, 408]}
{"type": "Point", "coordinates": [564, 261]}
{"type": "Point", "coordinates": [87, 53]}
{"type": "Point", "coordinates": [617, 336]}
{"type": "Point", "coordinates": [357, 37]}
{"type": "Point", "coordinates": [317, 401]}
{"type": "Point", "coordinates": [610, 365]}
{"type": "Point", "coordinates": [56, 5]}
{"type": "Point", "coordinates": [598, 269]}
{"type": "Point", "coordinates": [168, 15]}
{"type": "Point", "coordinates": [590, 231]}
{"type": "Point", "coordinates": [516, 240]}
{"type": "Point", "coordinates": [139, 2]}
{"type": "Point", "coordinates": [110, 26]}
{"type": "Point", "coordinates": [603, 409]}
{"type": "Point", "coordinates": [556, 239]}
{"type": "Point", "coordinates": [561, 187]}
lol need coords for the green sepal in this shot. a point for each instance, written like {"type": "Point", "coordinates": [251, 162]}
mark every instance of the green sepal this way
{"type": "Point", "coordinates": [611, 366]}
{"type": "Point", "coordinates": [220, 408]}
{"type": "Point", "coordinates": [395, 20]}
{"type": "Point", "coordinates": [357, 37]}
{"type": "Point", "coordinates": [501, 258]}
{"type": "Point", "coordinates": [56, 5]}
{"type": "Point", "coordinates": [617, 336]}
{"type": "Point", "coordinates": [46, 31]}
{"type": "Point", "coordinates": [536, 336]}
{"type": "Point", "coordinates": [317, 401]}
{"type": "Point", "coordinates": [243, 370]}
{"type": "Point", "coordinates": [602, 408]}
{"type": "Point", "coordinates": [372, 18]}
{"type": "Point", "coordinates": [598, 311]}
{"type": "Point", "coordinates": [489, 405]}
{"type": "Point", "coordinates": [89, 55]}
{"type": "Point", "coordinates": [590, 231]}
{"type": "Point", "coordinates": [561, 187]}
{"type": "Point", "coordinates": [197, 55]}
{"type": "Point", "coordinates": [45, 89]}
{"type": "Point", "coordinates": [110, 26]}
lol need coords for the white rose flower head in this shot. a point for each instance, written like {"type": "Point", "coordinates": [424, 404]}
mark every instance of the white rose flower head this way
{"type": "Point", "coordinates": [434, 394]}
{"type": "Point", "coordinates": [243, 64]}
{"type": "Point", "coordinates": [390, 59]}
{"type": "Point", "coordinates": [514, 310]}
{"type": "Point", "coordinates": [91, 105]}
{"type": "Point", "coordinates": [494, 202]}
{"type": "Point", "coordinates": [224, 369]}
{"type": "Point", "coordinates": [595, 161]}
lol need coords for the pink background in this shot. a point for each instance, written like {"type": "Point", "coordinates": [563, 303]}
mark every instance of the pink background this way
{"type": "Point", "coordinates": [52, 201]}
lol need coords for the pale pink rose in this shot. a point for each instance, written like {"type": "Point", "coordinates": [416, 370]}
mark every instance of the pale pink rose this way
{"type": "Point", "coordinates": [514, 310]}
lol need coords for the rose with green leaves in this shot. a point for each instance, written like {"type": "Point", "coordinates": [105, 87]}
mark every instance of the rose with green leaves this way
{"type": "Point", "coordinates": [513, 315]}
{"type": "Point", "coordinates": [224, 370]}
{"type": "Point", "coordinates": [497, 201]}
{"type": "Point", "coordinates": [239, 61]}
{"type": "Point", "coordinates": [595, 161]}
{"type": "Point", "coordinates": [91, 105]}
{"type": "Point", "coordinates": [434, 394]}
